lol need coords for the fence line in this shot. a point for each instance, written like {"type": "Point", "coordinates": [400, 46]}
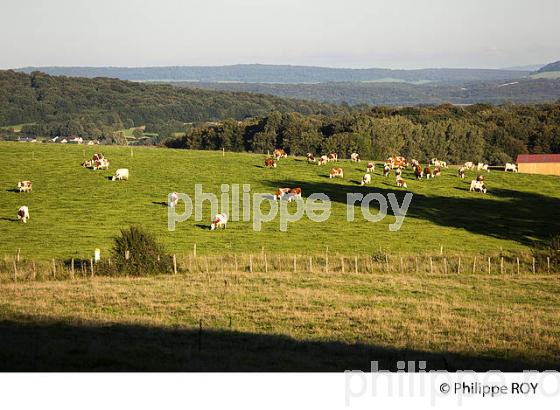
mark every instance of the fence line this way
{"type": "Point", "coordinates": [18, 268]}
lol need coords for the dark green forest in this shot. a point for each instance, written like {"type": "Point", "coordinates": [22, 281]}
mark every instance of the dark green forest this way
{"type": "Point", "coordinates": [496, 134]}
{"type": "Point", "coordinates": [95, 108]}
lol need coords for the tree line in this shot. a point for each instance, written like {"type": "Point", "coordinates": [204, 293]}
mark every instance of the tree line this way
{"type": "Point", "coordinates": [495, 134]}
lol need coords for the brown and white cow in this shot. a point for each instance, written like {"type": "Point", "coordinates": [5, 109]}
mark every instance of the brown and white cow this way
{"type": "Point", "coordinates": [219, 221]}
{"type": "Point", "coordinates": [23, 214]}
{"type": "Point", "coordinates": [295, 193]}
{"type": "Point", "coordinates": [279, 153]}
{"type": "Point", "coordinates": [428, 172]}
{"type": "Point", "coordinates": [336, 172]}
{"type": "Point", "coordinates": [462, 172]}
{"type": "Point", "coordinates": [478, 186]}
{"type": "Point", "coordinates": [483, 167]}
{"type": "Point", "coordinates": [398, 171]}
{"type": "Point", "coordinates": [323, 160]}
{"type": "Point", "coordinates": [436, 172]}
{"type": "Point", "coordinates": [366, 179]}
{"type": "Point", "coordinates": [401, 183]}
{"type": "Point", "coordinates": [469, 165]}
{"type": "Point", "coordinates": [386, 169]}
{"type": "Point", "coordinates": [310, 157]}
{"type": "Point", "coordinates": [269, 163]}
{"type": "Point", "coordinates": [280, 192]}
{"type": "Point", "coordinates": [418, 172]}
{"type": "Point", "coordinates": [397, 162]}
{"type": "Point", "coordinates": [355, 157]}
{"type": "Point", "coordinates": [370, 167]}
{"type": "Point", "coordinates": [25, 186]}
{"type": "Point", "coordinates": [333, 157]}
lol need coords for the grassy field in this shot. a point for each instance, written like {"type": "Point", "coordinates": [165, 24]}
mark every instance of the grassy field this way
{"type": "Point", "coordinates": [75, 210]}
{"type": "Point", "coordinates": [281, 321]}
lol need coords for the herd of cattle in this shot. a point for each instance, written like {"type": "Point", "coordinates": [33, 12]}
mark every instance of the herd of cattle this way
{"type": "Point", "coordinates": [394, 164]}
{"type": "Point", "coordinates": [97, 162]}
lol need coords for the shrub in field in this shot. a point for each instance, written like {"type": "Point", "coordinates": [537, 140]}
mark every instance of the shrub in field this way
{"type": "Point", "coordinates": [136, 252]}
{"type": "Point", "coordinates": [551, 251]}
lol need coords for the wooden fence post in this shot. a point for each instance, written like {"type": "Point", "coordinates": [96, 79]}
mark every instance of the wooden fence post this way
{"type": "Point", "coordinates": [416, 262]}
{"type": "Point", "coordinates": [474, 265]}
{"type": "Point", "coordinates": [534, 266]}
{"type": "Point", "coordinates": [502, 265]}
{"type": "Point", "coordinates": [548, 264]}
{"type": "Point", "coordinates": [15, 271]}
{"type": "Point", "coordinates": [386, 263]}
{"type": "Point", "coordinates": [236, 265]}
{"type": "Point", "coordinates": [72, 267]}
{"type": "Point", "coordinates": [355, 264]}
{"type": "Point", "coordinates": [327, 262]}
{"type": "Point", "coordinates": [194, 250]}
{"type": "Point", "coordinates": [342, 263]}
{"type": "Point", "coordinates": [251, 263]}
{"type": "Point", "coordinates": [265, 263]}
{"type": "Point", "coordinates": [489, 269]}
{"type": "Point", "coordinates": [459, 266]}
{"type": "Point", "coordinates": [431, 265]}
{"type": "Point", "coordinates": [91, 266]}
{"type": "Point", "coordinates": [17, 255]}
{"type": "Point", "coordinates": [518, 265]}
{"type": "Point", "coordinates": [311, 264]}
{"type": "Point", "coordinates": [54, 268]}
{"type": "Point", "coordinates": [295, 264]}
{"type": "Point", "coordinates": [445, 265]}
{"type": "Point", "coordinates": [174, 264]}
{"type": "Point", "coordinates": [34, 270]}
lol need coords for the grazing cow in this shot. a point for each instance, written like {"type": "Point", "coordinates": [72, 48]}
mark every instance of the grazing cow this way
{"type": "Point", "coordinates": [415, 163]}
{"type": "Point", "coordinates": [355, 157]}
{"type": "Point", "coordinates": [366, 179]}
{"type": "Point", "coordinates": [333, 157]}
{"type": "Point", "coordinates": [121, 174]}
{"type": "Point", "coordinates": [510, 167]}
{"type": "Point", "coordinates": [428, 172]}
{"type": "Point", "coordinates": [480, 178]}
{"type": "Point", "coordinates": [469, 165]}
{"type": "Point", "coordinates": [97, 156]}
{"type": "Point", "coordinates": [462, 172]}
{"type": "Point", "coordinates": [478, 186]}
{"type": "Point", "coordinates": [396, 162]}
{"type": "Point", "coordinates": [370, 167]}
{"type": "Point", "coordinates": [280, 192]}
{"type": "Point", "coordinates": [483, 167]}
{"type": "Point", "coordinates": [437, 172]}
{"type": "Point", "coordinates": [443, 164]}
{"type": "Point", "coordinates": [102, 163]}
{"type": "Point", "coordinates": [323, 160]}
{"type": "Point", "coordinates": [310, 157]}
{"type": "Point", "coordinates": [386, 170]}
{"type": "Point", "coordinates": [269, 163]}
{"type": "Point", "coordinates": [436, 162]}
{"type": "Point", "coordinates": [23, 214]}
{"type": "Point", "coordinates": [88, 164]}
{"type": "Point", "coordinates": [219, 221]}
{"type": "Point", "coordinates": [418, 172]}
{"type": "Point", "coordinates": [279, 153]}
{"type": "Point", "coordinates": [174, 198]}
{"type": "Point", "coordinates": [401, 183]}
{"type": "Point", "coordinates": [295, 193]}
{"type": "Point", "coordinates": [25, 186]}
{"type": "Point", "coordinates": [398, 171]}
{"type": "Point", "coordinates": [336, 172]}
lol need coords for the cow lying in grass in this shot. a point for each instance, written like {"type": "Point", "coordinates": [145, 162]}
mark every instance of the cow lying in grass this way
{"type": "Point", "coordinates": [219, 221]}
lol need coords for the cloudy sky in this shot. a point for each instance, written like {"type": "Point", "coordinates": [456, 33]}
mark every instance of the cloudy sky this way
{"type": "Point", "coordinates": [338, 33]}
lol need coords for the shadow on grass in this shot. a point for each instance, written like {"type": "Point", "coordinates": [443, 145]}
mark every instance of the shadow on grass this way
{"type": "Point", "coordinates": [53, 346]}
{"type": "Point", "coordinates": [520, 216]}
{"type": "Point", "coordinates": [160, 203]}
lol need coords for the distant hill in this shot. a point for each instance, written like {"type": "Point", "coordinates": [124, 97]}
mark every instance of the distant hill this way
{"type": "Point", "coordinates": [550, 67]}
{"type": "Point", "coordinates": [260, 73]}
{"type": "Point", "coordinates": [490, 92]}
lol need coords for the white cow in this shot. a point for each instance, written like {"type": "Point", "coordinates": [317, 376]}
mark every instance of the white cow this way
{"type": "Point", "coordinates": [469, 165]}
{"type": "Point", "coordinates": [481, 166]}
{"type": "Point", "coordinates": [219, 221]}
{"type": "Point", "coordinates": [23, 214]}
{"type": "Point", "coordinates": [510, 167]}
{"type": "Point", "coordinates": [121, 174]}
{"type": "Point", "coordinates": [355, 157]}
{"type": "Point", "coordinates": [478, 186]}
{"type": "Point", "coordinates": [323, 160]}
{"type": "Point", "coordinates": [366, 179]}
{"type": "Point", "coordinates": [370, 167]}
{"type": "Point", "coordinates": [173, 199]}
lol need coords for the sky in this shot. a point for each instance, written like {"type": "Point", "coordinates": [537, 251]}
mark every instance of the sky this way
{"type": "Point", "coordinates": [334, 33]}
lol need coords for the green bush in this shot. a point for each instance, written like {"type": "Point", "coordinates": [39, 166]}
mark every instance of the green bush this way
{"type": "Point", "coordinates": [551, 251]}
{"type": "Point", "coordinates": [137, 253]}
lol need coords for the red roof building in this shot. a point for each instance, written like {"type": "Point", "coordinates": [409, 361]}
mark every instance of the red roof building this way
{"type": "Point", "coordinates": [544, 164]}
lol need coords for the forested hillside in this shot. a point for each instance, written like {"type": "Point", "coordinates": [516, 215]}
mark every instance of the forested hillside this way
{"type": "Point", "coordinates": [456, 134]}
{"type": "Point", "coordinates": [97, 107]}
